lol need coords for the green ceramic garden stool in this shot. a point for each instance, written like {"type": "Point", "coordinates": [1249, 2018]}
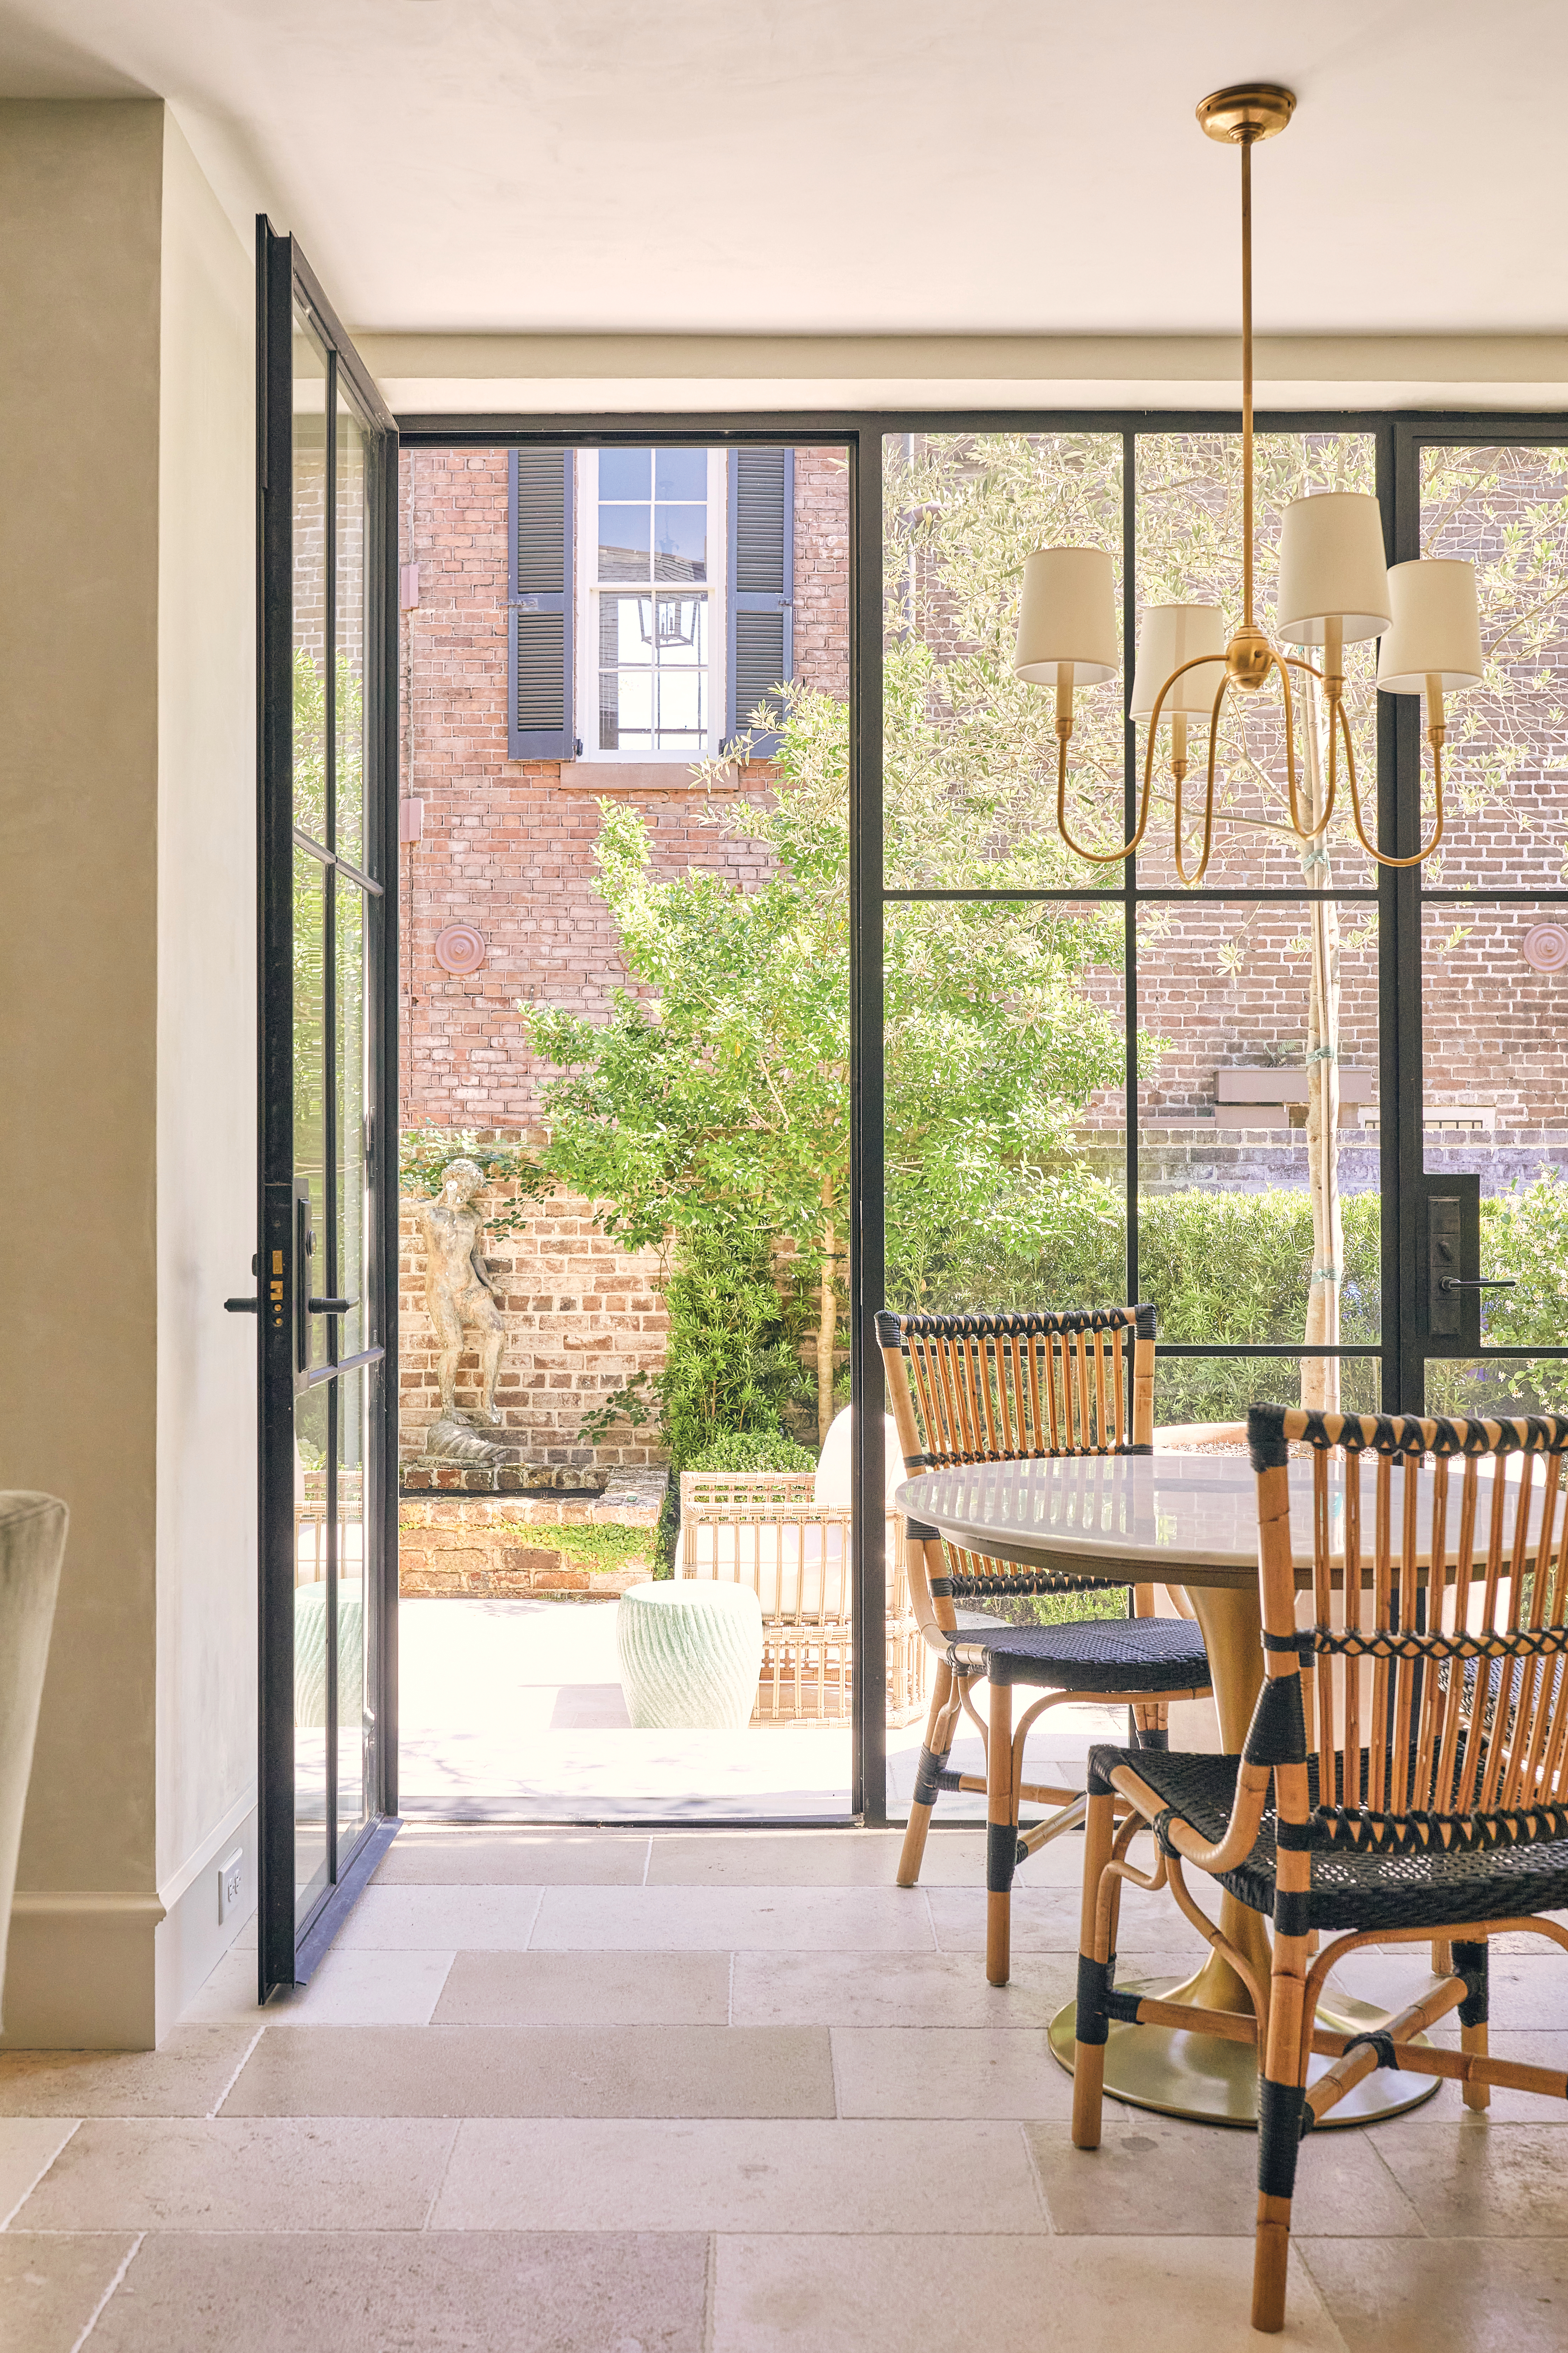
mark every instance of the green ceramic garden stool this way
{"type": "Point", "coordinates": [691, 1652]}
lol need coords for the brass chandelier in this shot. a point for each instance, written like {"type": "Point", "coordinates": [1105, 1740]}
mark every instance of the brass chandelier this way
{"type": "Point", "coordinates": [1334, 588]}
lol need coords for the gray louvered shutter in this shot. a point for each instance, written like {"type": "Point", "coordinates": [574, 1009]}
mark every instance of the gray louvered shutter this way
{"type": "Point", "coordinates": [762, 588]}
{"type": "Point", "coordinates": [540, 723]}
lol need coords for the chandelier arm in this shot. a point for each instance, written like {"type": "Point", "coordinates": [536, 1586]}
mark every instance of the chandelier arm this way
{"type": "Point", "coordinates": [1376, 855]}
{"type": "Point", "coordinates": [1191, 882]}
{"type": "Point", "coordinates": [1095, 857]}
{"type": "Point", "coordinates": [1294, 663]}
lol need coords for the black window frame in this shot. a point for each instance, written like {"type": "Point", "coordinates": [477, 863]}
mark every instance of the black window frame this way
{"type": "Point", "coordinates": [1399, 896]}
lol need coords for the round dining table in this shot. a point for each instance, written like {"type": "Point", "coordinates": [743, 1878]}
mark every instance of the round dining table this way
{"type": "Point", "coordinates": [1188, 1521]}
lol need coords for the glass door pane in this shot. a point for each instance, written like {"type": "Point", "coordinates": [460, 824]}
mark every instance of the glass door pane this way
{"type": "Point", "coordinates": [328, 457]}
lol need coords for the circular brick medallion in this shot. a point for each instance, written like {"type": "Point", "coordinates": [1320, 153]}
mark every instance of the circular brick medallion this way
{"type": "Point", "coordinates": [459, 948]}
{"type": "Point", "coordinates": [1546, 947]}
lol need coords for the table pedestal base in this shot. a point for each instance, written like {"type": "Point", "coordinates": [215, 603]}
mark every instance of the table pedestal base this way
{"type": "Point", "coordinates": [1211, 2080]}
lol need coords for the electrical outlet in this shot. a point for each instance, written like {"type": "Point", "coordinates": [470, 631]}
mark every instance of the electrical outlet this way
{"type": "Point", "coordinates": [230, 1883]}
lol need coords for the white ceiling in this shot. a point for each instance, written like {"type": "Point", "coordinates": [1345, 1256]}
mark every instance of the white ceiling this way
{"type": "Point", "coordinates": [859, 166]}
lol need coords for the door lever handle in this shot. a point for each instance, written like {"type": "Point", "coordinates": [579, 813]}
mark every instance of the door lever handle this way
{"type": "Point", "coordinates": [1481, 1283]}
{"type": "Point", "coordinates": [242, 1306]}
{"type": "Point", "coordinates": [331, 1306]}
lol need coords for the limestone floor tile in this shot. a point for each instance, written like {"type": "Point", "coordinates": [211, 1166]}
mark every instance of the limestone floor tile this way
{"type": "Point", "coordinates": [1046, 1919]}
{"type": "Point", "coordinates": [947, 2071]}
{"type": "Point", "coordinates": [588, 1990]}
{"type": "Point", "coordinates": [693, 1919]}
{"type": "Point", "coordinates": [1155, 2175]}
{"type": "Point", "coordinates": [443, 1919]}
{"type": "Point", "coordinates": [1530, 2046]}
{"type": "Point", "coordinates": [746, 2177]}
{"type": "Point", "coordinates": [1524, 1991]}
{"type": "Point", "coordinates": [186, 2077]}
{"type": "Point", "coordinates": [782, 1858]}
{"type": "Point", "coordinates": [227, 1996]}
{"type": "Point", "coordinates": [267, 2173]}
{"type": "Point", "coordinates": [52, 2283]}
{"type": "Point", "coordinates": [896, 1989]}
{"type": "Point", "coordinates": [365, 1987]}
{"type": "Point", "coordinates": [1464, 2296]}
{"type": "Point", "coordinates": [537, 2071]}
{"type": "Point", "coordinates": [28, 2147]}
{"type": "Point", "coordinates": [1477, 2179]}
{"type": "Point", "coordinates": [421, 1857]}
{"type": "Point", "coordinates": [1008, 2294]}
{"type": "Point", "coordinates": [481, 2292]}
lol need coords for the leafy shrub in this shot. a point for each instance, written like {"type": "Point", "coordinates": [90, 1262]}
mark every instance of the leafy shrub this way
{"type": "Point", "coordinates": [730, 1364]}
{"type": "Point", "coordinates": [754, 1449]}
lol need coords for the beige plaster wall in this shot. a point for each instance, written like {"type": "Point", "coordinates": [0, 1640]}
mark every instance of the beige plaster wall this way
{"type": "Point", "coordinates": [206, 1025]}
{"type": "Point", "coordinates": [126, 1034]}
{"type": "Point", "coordinates": [80, 207]}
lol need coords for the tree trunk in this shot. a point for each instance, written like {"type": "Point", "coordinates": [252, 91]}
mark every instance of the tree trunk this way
{"type": "Point", "coordinates": [1321, 1375]}
{"type": "Point", "coordinates": [827, 1332]}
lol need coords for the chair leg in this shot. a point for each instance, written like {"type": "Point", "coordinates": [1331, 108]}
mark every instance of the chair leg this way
{"type": "Point", "coordinates": [1280, 2104]}
{"type": "Point", "coordinates": [1001, 1834]}
{"type": "Point", "coordinates": [1095, 1971]}
{"type": "Point", "coordinates": [1470, 1963]}
{"type": "Point", "coordinates": [1150, 1724]}
{"type": "Point", "coordinates": [935, 1752]}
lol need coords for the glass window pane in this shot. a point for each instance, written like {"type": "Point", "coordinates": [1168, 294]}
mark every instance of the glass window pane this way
{"type": "Point", "coordinates": [623, 542]}
{"type": "Point", "coordinates": [625, 711]}
{"type": "Point", "coordinates": [682, 707]}
{"type": "Point", "coordinates": [624, 473]}
{"type": "Point", "coordinates": [1005, 1058]}
{"type": "Point", "coordinates": [348, 667]}
{"type": "Point", "coordinates": [350, 1604]}
{"type": "Point", "coordinates": [682, 630]}
{"type": "Point", "coordinates": [312, 1861]}
{"type": "Point", "coordinates": [309, 504]}
{"type": "Point", "coordinates": [971, 750]}
{"type": "Point", "coordinates": [680, 543]}
{"type": "Point", "coordinates": [1495, 1019]}
{"type": "Point", "coordinates": [681, 474]}
{"type": "Point", "coordinates": [310, 1069]}
{"type": "Point", "coordinates": [1190, 552]}
{"type": "Point", "coordinates": [349, 1273]}
{"type": "Point", "coordinates": [1504, 509]}
{"type": "Point", "coordinates": [1256, 1221]}
{"type": "Point", "coordinates": [625, 629]}
{"type": "Point", "coordinates": [1497, 1384]}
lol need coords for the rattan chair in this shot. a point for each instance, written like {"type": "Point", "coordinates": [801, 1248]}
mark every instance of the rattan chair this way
{"type": "Point", "coordinates": [1440, 1687]}
{"type": "Point", "coordinates": [1011, 1389]}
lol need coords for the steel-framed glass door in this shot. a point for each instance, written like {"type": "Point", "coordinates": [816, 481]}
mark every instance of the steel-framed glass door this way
{"type": "Point", "coordinates": [327, 464]}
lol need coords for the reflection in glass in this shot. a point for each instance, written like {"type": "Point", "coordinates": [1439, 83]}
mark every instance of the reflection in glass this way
{"type": "Point", "coordinates": [657, 696]}
{"type": "Point", "coordinates": [348, 668]}
{"type": "Point", "coordinates": [1505, 510]}
{"type": "Point", "coordinates": [310, 539]}
{"type": "Point", "coordinates": [310, 1069]}
{"type": "Point", "coordinates": [1497, 1384]}
{"type": "Point", "coordinates": [311, 1856]}
{"type": "Point", "coordinates": [625, 542]}
{"type": "Point", "coordinates": [350, 1274]}
{"type": "Point", "coordinates": [680, 543]}
{"type": "Point", "coordinates": [970, 749]}
{"type": "Point", "coordinates": [351, 1606]}
{"type": "Point", "coordinates": [625, 473]}
{"type": "Point", "coordinates": [1190, 551]}
{"type": "Point", "coordinates": [1258, 1219]}
{"type": "Point", "coordinates": [681, 474]}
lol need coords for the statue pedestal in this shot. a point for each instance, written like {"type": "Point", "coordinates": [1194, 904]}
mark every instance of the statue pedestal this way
{"type": "Point", "coordinates": [452, 1438]}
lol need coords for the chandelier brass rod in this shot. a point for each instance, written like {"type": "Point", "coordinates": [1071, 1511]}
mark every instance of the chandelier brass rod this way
{"type": "Point", "coordinates": [1246, 143]}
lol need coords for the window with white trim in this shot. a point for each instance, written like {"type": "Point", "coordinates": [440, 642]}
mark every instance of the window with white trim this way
{"type": "Point", "coordinates": [652, 549]}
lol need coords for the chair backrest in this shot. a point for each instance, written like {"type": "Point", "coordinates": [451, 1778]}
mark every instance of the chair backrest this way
{"type": "Point", "coordinates": [1434, 1699]}
{"type": "Point", "coordinates": [1011, 1388]}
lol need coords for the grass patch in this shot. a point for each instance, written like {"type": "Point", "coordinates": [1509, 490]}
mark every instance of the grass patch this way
{"type": "Point", "coordinates": [599, 1549]}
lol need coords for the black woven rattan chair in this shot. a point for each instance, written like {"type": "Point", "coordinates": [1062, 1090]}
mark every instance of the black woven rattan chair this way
{"type": "Point", "coordinates": [1404, 1777]}
{"type": "Point", "coordinates": [1011, 1388]}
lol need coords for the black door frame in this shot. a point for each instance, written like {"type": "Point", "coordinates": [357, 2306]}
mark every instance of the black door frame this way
{"type": "Point", "coordinates": [287, 1949]}
{"type": "Point", "coordinates": [1398, 896]}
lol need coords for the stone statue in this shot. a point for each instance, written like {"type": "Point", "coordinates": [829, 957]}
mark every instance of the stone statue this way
{"type": "Point", "coordinates": [461, 1297]}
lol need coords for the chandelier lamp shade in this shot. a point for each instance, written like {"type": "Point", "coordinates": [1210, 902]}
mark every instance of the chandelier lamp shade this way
{"type": "Point", "coordinates": [1334, 588]}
